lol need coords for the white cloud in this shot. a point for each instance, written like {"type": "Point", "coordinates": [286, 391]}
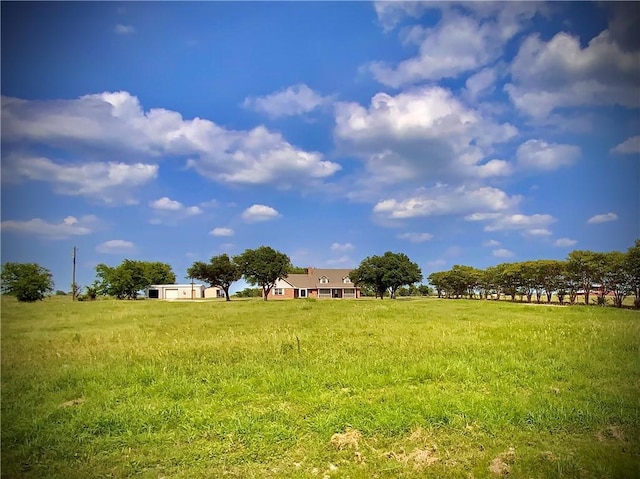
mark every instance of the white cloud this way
{"type": "Point", "coordinates": [602, 218]}
{"type": "Point", "coordinates": [538, 232]}
{"type": "Point", "coordinates": [116, 246]}
{"type": "Point", "coordinates": [540, 155]}
{"type": "Point", "coordinates": [341, 247]}
{"type": "Point", "coordinates": [416, 237]}
{"type": "Point", "coordinates": [457, 44]}
{"type": "Point", "coordinates": [257, 213]}
{"type": "Point", "coordinates": [420, 134]}
{"type": "Point", "coordinates": [115, 122]}
{"type": "Point", "coordinates": [390, 13]}
{"type": "Point", "coordinates": [491, 243]}
{"type": "Point", "coordinates": [121, 29]}
{"type": "Point", "coordinates": [70, 226]}
{"type": "Point", "coordinates": [221, 232]}
{"type": "Point", "coordinates": [560, 73]}
{"type": "Point", "coordinates": [480, 83]}
{"type": "Point", "coordinates": [294, 100]}
{"type": "Point", "coordinates": [534, 225]}
{"type": "Point", "coordinates": [167, 206]}
{"type": "Point", "coordinates": [628, 147]}
{"type": "Point", "coordinates": [443, 200]}
{"type": "Point", "coordinates": [565, 242]}
{"type": "Point", "coordinates": [502, 253]}
{"type": "Point", "coordinates": [110, 182]}
{"type": "Point", "coordinates": [342, 260]}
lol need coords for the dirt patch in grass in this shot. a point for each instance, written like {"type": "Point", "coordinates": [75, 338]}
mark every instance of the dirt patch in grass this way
{"type": "Point", "coordinates": [347, 440]}
{"type": "Point", "coordinates": [501, 464]}
{"type": "Point", "coordinates": [419, 458]}
{"type": "Point", "coordinates": [612, 432]}
{"type": "Point", "coordinates": [73, 402]}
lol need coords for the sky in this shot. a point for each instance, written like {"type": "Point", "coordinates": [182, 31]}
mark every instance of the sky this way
{"type": "Point", "coordinates": [475, 133]}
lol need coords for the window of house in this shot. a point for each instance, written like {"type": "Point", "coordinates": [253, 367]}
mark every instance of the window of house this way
{"type": "Point", "coordinates": [324, 280]}
{"type": "Point", "coordinates": [346, 280]}
{"type": "Point", "coordinates": [278, 291]}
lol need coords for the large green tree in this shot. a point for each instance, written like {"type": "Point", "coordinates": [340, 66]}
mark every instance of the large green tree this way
{"type": "Point", "coordinates": [26, 281]}
{"type": "Point", "coordinates": [221, 271]}
{"type": "Point", "coordinates": [263, 266]}
{"type": "Point", "coordinates": [129, 277]}
{"type": "Point", "coordinates": [386, 273]}
{"type": "Point", "coordinates": [632, 266]}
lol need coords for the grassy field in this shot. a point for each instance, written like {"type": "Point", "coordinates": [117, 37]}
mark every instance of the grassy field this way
{"type": "Point", "coordinates": [319, 389]}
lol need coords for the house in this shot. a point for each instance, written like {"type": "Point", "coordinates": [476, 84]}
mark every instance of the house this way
{"type": "Point", "coordinates": [316, 283]}
{"type": "Point", "coordinates": [175, 291]}
{"type": "Point", "coordinates": [213, 292]}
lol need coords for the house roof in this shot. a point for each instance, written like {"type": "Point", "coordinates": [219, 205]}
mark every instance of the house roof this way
{"type": "Point", "coordinates": [311, 280]}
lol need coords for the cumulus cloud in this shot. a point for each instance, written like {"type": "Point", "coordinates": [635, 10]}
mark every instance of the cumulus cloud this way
{"type": "Point", "coordinates": [116, 246]}
{"type": "Point", "coordinates": [221, 232]}
{"type": "Point", "coordinates": [491, 243]}
{"type": "Point", "coordinates": [257, 213]}
{"type": "Point", "coordinates": [561, 73]}
{"type": "Point", "coordinates": [416, 237]}
{"type": "Point", "coordinates": [342, 247]}
{"type": "Point", "coordinates": [167, 206]}
{"type": "Point", "coordinates": [459, 43]}
{"type": "Point", "coordinates": [502, 253]}
{"type": "Point", "coordinates": [69, 226]}
{"type": "Point", "coordinates": [421, 134]}
{"type": "Point", "coordinates": [533, 225]}
{"type": "Point", "coordinates": [602, 218]}
{"type": "Point", "coordinates": [111, 182]}
{"type": "Point", "coordinates": [540, 155]}
{"type": "Point", "coordinates": [443, 200]}
{"type": "Point", "coordinates": [565, 242]}
{"type": "Point", "coordinates": [628, 147]}
{"type": "Point", "coordinates": [294, 100]}
{"type": "Point", "coordinates": [115, 121]}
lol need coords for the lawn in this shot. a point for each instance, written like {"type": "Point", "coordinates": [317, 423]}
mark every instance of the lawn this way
{"type": "Point", "coordinates": [319, 389]}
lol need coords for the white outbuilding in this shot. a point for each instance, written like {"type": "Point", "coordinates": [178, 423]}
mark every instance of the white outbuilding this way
{"type": "Point", "coordinates": [175, 291]}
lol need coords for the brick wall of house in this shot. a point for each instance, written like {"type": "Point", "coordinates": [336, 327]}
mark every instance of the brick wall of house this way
{"type": "Point", "coordinates": [288, 294]}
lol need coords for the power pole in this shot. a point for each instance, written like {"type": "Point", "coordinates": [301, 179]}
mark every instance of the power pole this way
{"type": "Point", "coordinates": [73, 284]}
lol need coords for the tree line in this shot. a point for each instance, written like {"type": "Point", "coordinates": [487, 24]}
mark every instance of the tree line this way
{"type": "Point", "coordinates": [583, 272]}
{"type": "Point", "coordinates": [389, 274]}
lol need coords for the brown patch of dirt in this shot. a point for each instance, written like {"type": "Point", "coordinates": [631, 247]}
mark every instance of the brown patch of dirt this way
{"type": "Point", "coordinates": [611, 432]}
{"type": "Point", "coordinates": [73, 402]}
{"type": "Point", "coordinates": [349, 439]}
{"type": "Point", "coordinates": [501, 464]}
{"type": "Point", "coordinates": [420, 458]}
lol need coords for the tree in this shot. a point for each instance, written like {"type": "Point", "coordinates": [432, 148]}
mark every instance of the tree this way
{"type": "Point", "coordinates": [632, 267]}
{"type": "Point", "coordinates": [386, 273]}
{"type": "Point", "coordinates": [616, 277]}
{"type": "Point", "coordinates": [585, 267]}
{"type": "Point", "coordinates": [28, 282]}
{"type": "Point", "coordinates": [438, 281]}
{"type": "Point", "coordinates": [263, 267]}
{"type": "Point", "coordinates": [221, 271]}
{"type": "Point", "coordinates": [130, 277]}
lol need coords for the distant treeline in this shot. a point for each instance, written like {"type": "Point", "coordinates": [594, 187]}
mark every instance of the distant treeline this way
{"type": "Point", "coordinates": [586, 273]}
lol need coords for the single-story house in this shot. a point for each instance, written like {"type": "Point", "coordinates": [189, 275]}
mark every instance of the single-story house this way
{"type": "Point", "coordinates": [175, 291]}
{"type": "Point", "coordinates": [213, 292]}
{"type": "Point", "coordinates": [316, 283]}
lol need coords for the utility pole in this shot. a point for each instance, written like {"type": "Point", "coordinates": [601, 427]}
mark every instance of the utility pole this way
{"type": "Point", "coordinates": [73, 284]}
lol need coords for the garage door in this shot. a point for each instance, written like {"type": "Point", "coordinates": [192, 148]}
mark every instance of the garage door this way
{"type": "Point", "coordinates": [170, 294]}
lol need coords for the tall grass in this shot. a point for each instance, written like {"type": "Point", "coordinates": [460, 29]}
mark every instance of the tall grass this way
{"type": "Point", "coordinates": [415, 388]}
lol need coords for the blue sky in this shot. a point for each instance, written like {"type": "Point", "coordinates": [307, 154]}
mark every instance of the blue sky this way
{"type": "Point", "coordinates": [472, 133]}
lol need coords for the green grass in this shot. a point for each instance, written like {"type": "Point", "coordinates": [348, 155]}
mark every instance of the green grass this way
{"type": "Point", "coordinates": [418, 388]}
